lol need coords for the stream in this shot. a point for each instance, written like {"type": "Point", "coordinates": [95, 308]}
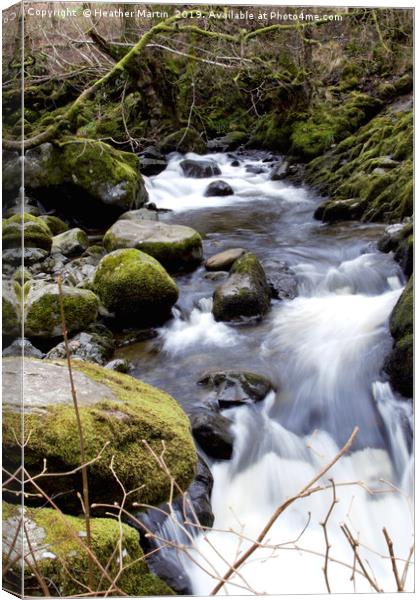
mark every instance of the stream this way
{"type": "Point", "coordinates": [323, 351]}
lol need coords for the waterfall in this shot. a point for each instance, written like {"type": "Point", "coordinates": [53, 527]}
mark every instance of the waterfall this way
{"type": "Point", "coordinates": [324, 351]}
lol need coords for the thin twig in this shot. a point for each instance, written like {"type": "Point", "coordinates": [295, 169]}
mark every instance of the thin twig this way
{"type": "Point", "coordinates": [85, 481]}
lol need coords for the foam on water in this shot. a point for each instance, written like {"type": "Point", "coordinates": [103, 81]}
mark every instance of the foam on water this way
{"type": "Point", "coordinates": [325, 349]}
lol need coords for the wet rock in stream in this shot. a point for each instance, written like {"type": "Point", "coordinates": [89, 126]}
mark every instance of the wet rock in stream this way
{"type": "Point", "coordinates": [218, 188]}
{"type": "Point", "coordinates": [245, 294]}
{"type": "Point", "coordinates": [200, 169]}
{"type": "Point", "coordinates": [228, 389]}
{"type": "Point", "coordinates": [212, 432]}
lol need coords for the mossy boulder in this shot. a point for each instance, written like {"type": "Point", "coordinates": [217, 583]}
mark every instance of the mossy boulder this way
{"type": "Point", "coordinates": [135, 287]}
{"type": "Point", "coordinates": [11, 307]}
{"type": "Point", "coordinates": [332, 211]}
{"type": "Point", "coordinates": [59, 555]}
{"type": "Point", "coordinates": [245, 294]}
{"type": "Point", "coordinates": [399, 363]}
{"type": "Point", "coordinates": [373, 167]}
{"type": "Point", "coordinates": [118, 415]}
{"type": "Point", "coordinates": [70, 243]}
{"type": "Point", "coordinates": [34, 232]}
{"type": "Point", "coordinates": [184, 140]}
{"type": "Point", "coordinates": [92, 168]}
{"type": "Point", "coordinates": [42, 309]}
{"type": "Point", "coordinates": [327, 124]}
{"type": "Point", "coordinates": [55, 224]}
{"type": "Point", "coordinates": [176, 247]}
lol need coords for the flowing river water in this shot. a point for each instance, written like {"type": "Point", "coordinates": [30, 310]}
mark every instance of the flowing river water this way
{"type": "Point", "coordinates": [324, 352]}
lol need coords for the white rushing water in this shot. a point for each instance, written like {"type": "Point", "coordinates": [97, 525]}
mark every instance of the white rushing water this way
{"type": "Point", "coordinates": [325, 349]}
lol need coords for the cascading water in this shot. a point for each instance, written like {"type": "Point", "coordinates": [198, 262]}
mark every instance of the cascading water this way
{"type": "Point", "coordinates": [324, 351]}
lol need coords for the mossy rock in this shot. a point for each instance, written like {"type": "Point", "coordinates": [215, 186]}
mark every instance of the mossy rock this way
{"type": "Point", "coordinates": [184, 140]}
{"type": "Point", "coordinates": [245, 294]}
{"type": "Point", "coordinates": [332, 211]}
{"type": "Point", "coordinates": [373, 167]}
{"type": "Point", "coordinates": [118, 415]}
{"type": "Point", "coordinates": [59, 555]}
{"type": "Point", "coordinates": [33, 231]}
{"type": "Point", "coordinates": [135, 287]}
{"type": "Point", "coordinates": [42, 309]}
{"type": "Point", "coordinates": [98, 170]}
{"type": "Point", "coordinates": [399, 363]}
{"type": "Point", "coordinates": [55, 224]}
{"type": "Point", "coordinates": [11, 307]}
{"type": "Point", "coordinates": [70, 243]}
{"type": "Point", "coordinates": [176, 247]}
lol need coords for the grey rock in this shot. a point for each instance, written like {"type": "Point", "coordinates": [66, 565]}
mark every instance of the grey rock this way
{"type": "Point", "coordinates": [245, 294]}
{"type": "Point", "coordinates": [91, 347]}
{"type": "Point", "coordinates": [141, 214]}
{"type": "Point", "coordinates": [174, 246]}
{"type": "Point", "coordinates": [232, 388]}
{"type": "Point", "coordinates": [218, 188]}
{"type": "Point", "coordinates": [212, 432]}
{"type": "Point", "coordinates": [22, 347]}
{"type": "Point", "coordinates": [70, 243]}
{"type": "Point", "coordinates": [199, 168]}
{"type": "Point", "coordinates": [120, 365]}
{"type": "Point", "coordinates": [223, 261]}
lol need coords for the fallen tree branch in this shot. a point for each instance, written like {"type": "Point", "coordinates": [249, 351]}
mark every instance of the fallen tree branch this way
{"type": "Point", "coordinates": [304, 492]}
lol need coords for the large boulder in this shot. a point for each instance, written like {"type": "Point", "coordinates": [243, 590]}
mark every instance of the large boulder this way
{"type": "Point", "coordinates": [90, 168]}
{"type": "Point", "coordinates": [332, 211]}
{"type": "Point", "coordinates": [33, 231]}
{"type": "Point", "coordinates": [399, 363]}
{"type": "Point", "coordinates": [199, 168]}
{"type": "Point", "coordinates": [70, 243]}
{"type": "Point", "coordinates": [213, 434]}
{"type": "Point", "coordinates": [218, 188]}
{"type": "Point", "coordinates": [42, 309]}
{"type": "Point", "coordinates": [223, 261]}
{"type": "Point", "coordinates": [59, 555]}
{"type": "Point", "coordinates": [176, 247]}
{"type": "Point", "coordinates": [228, 389]}
{"type": "Point", "coordinates": [118, 415]}
{"type": "Point", "coordinates": [135, 287]}
{"type": "Point", "coordinates": [245, 294]}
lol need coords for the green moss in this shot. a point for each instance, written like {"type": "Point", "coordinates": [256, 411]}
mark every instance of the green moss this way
{"type": "Point", "coordinates": [184, 140]}
{"type": "Point", "coordinates": [62, 560]}
{"type": "Point", "coordinates": [110, 175]}
{"type": "Point", "coordinates": [27, 228]}
{"type": "Point", "coordinates": [124, 414]}
{"type": "Point", "coordinates": [134, 285]}
{"type": "Point", "coordinates": [373, 167]}
{"type": "Point", "coordinates": [55, 224]}
{"type": "Point", "coordinates": [42, 309]}
{"type": "Point", "coordinates": [11, 307]}
{"type": "Point", "coordinates": [328, 124]}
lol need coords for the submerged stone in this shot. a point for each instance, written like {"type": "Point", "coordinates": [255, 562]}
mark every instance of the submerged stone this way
{"type": "Point", "coordinates": [199, 169]}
